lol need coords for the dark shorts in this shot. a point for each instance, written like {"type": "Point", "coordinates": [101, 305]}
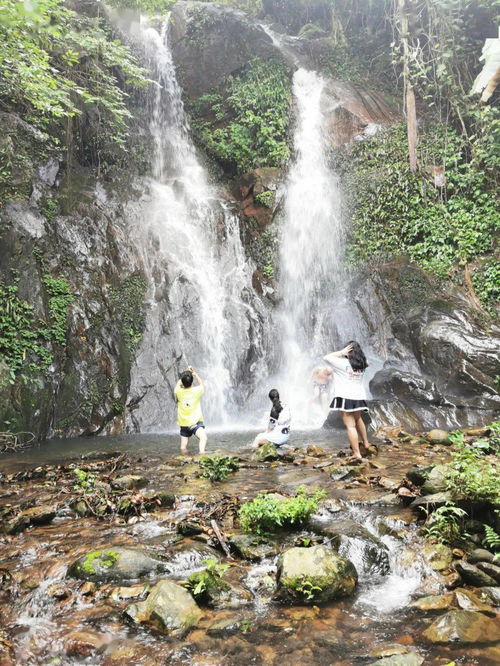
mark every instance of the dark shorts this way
{"type": "Point", "coordinates": [188, 431]}
{"type": "Point", "coordinates": [346, 405]}
{"type": "Point", "coordinates": [323, 388]}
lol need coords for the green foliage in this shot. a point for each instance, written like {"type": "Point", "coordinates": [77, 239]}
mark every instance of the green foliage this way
{"type": "Point", "coordinates": [245, 125]}
{"type": "Point", "coordinates": [57, 64]}
{"type": "Point", "coordinates": [444, 524]}
{"type": "Point", "coordinates": [217, 468]}
{"type": "Point", "coordinates": [305, 588]}
{"type": "Point", "coordinates": [205, 584]}
{"type": "Point", "coordinates": [148, 6]}
{"type": "Point", "coordinates": [106, 557]}
{"type": "Point", "coordinates": [85, 481]}
{"type": "Point", "coordinates": [491, 539]}
{"type": "Point", "coordinates": [24, 339]}
{"type": "Point", "coordinates": [267, 513]}
{"type": "Point", "coordinates": [486, 281]}
{"type": "Point", "coordinates": [472, 473]}
{"type": "Point", "coordinates": [395, 211]}
{"type": "Point", "coordinates": [265, 199]}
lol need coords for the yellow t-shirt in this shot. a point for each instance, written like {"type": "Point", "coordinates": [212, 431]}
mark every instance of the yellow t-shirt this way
{"type": "Point", "coordinates": [188, 405]}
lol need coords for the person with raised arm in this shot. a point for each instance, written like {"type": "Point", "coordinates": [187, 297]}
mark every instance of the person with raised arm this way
{"type": "Point", "coordinates": [189, 414]}
{"type": "Point", "coordinates": [349, 365]}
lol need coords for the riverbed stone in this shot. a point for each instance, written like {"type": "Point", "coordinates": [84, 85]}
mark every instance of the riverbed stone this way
{"type": "Point", "coordinates": [434, 602]}
{"type": "Point", "coordinates": [490, 594]}
{"type": "Point", "coordinates": [436, 499]}
{"type": "Point", "coordinates": [266, 453]}
{"type": "Point", "coordinates": [490, 569]}
{"type": "Point", "coordinates": [436, 481]}
{"type": "Point", "coordinates": [316, 451]}
{"type": "Point", "coordinates": [473, 575]}
{"type": "Point", "coordinates": [115, 564]}
{"type": "Point", "coordinates": [300, 570]}
{"type": "Point", "coordinates": [418, 475]}
{"type": "Point", "coordinates": [480, 555]}
{"type": "Point", "coordinates": [37, 515]}
{"type": "Point", "coordinates": [252, 548]}
{"type": "Point", "coordinates": [467, 600]}
{"type": "Point", "coordinates": [168, 608]}
{"type": "Point", "coordinates": [408, 659]}
{"type": "Point", "coordinates": [438, 556]}
{"type": "Point", "coordinates": [461, 626]}
{"type": "Point", "coordinates": [129, 482]}
{"type": "Point", "coordinates": [436, 436]}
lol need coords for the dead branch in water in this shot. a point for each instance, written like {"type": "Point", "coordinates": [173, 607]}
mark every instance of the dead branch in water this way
{"type": "Point", "coordinates": [14, 441]}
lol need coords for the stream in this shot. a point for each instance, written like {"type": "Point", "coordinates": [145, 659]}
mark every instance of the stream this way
{"type": "Point", "coordinates": [52, 618]}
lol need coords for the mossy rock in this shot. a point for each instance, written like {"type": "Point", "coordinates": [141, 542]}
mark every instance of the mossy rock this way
{"type": "Point", "coordinates": [314, 575]}
{"type": "Point", "coordinates": [115, 564]}
{"type": "Point", "coordinates": [266, 453]}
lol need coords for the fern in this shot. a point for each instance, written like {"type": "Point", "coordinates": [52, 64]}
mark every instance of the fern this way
{"type": "Point", "coordinates": [491, 538]}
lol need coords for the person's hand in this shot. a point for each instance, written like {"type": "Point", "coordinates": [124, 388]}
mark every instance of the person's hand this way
{"type": "Point", "coordinates": [191, 369]}
{"type": "Point", "coordinates": [346, 350]}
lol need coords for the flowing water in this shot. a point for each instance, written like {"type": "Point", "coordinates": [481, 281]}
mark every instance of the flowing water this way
{"type": "Point", "coordinates": [202, 310]}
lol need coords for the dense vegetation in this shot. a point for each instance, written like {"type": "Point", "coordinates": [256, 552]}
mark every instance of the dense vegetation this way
{"type": "Point", "coordinates": [245, 125]}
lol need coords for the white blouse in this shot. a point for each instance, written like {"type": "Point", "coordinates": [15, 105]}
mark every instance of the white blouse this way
{"type": "Point", "coordinates": [347, 383]}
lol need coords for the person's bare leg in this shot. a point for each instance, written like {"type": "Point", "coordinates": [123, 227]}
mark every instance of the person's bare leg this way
{"type": "Point", "coordinates": [315, 395]}
{"type": "Point", "coordinates": [360, 425]}
{"type": "Point", "coordinates": [259, 440]}
{"type": "Point", "coordinates": [324, 399]}
{"type": "Point", "coordinates": [184, 444]}
{"type": "Point", "coordinates": [352, 433]}
{"type": "Point", "coordinates": [201, 433]}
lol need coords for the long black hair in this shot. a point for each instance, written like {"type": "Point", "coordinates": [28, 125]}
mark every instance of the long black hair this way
{"type": "Point", "coordinates": [277, 407]}
{"type": "Point", "coordinates": [356, 357]}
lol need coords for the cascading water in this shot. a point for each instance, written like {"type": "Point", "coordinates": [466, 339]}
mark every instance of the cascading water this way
{"type": "Point", "coordinates": [311, 248]}
{"type": "Point", "coordinates": [202, 310]}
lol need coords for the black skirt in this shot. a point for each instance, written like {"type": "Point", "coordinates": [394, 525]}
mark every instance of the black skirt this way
{"type": "Point", "coordinates": [347, 405]}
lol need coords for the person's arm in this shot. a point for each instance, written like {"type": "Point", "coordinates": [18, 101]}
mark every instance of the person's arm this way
{"type": "Point", "coordinates": [198, 378]}
{"type": "Point", "coordinates": [334, 357]}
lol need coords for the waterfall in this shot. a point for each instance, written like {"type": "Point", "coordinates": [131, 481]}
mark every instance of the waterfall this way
{"type": "Point", "coordinates": [202, 309]}
{"type": "Point", "coordinates": [311, 247]}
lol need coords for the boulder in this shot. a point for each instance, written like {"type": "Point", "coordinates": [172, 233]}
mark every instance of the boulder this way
{"type": "Point", "coordinates": [461, 626]}
{"type": "Point", "coordinates": [37, 515]}
{"type": "Point", "coordinates": [342, 531]}
{"type": "Point", "coordinates": [315, 451]}
{"type": "Point", "coordinates": [252, 548]}
{"type": "Point", "coordinates": [316, 574]}
{"type": "Point", "coordinates": [418, 475]}
{"type": "Point", "coordinates": [490, 569]}
{"type": "Point", "coordinates": [266, 452]}
{"type": "Point", "coordinates": [169, 608]}
{"type": "Point", "coordinates": [434, 602]}
{"type": "Point", "coordinates": [438, 556]}
{"type": "Point", "coordinates": [408, 659]}
{"type": "Point", "coordinates": [211, 41]}
{"type": "Point", "coordinates": [480, 555]}
{"type": "Point", "coordinates": [467, 600]}
{"type": "Point", "coordinates": [436, 481]}
{"type": "Point", "coordinates": [130, 482]}
{"type": "Point", "coordinates": [473, 575]}
{"type": "Point", "coordinates": [490, 594]}
{"type": "Point", "coordinates": [437, 436]}
{"type": "Point", "coordinates": [115, 564]}
{"type": "Point", "coordinates": [436, 499]}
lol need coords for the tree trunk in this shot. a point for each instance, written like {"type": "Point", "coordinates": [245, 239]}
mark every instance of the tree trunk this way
{"type": "Point", "coordinates": [409, 95]}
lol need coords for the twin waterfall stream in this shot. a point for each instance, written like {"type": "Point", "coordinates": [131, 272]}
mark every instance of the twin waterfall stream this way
{"type": "Point", "coordinates": [192, 251]}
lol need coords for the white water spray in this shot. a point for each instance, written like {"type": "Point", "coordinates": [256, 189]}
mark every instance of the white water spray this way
{"type": "Point", "coordinates": [311, 247]}
{"type": "Point", "coordinates": [202, 308]}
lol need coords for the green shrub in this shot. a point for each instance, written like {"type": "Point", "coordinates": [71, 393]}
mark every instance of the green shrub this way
{"type": "Point", "coordinates": [267, 513]}
{"type": "Point", "coordinates": [444, 524]}
{"type": "Point", "coordinates": [471, 472]}
{"type": "Point", "coordinates": [244, 126]}
{"type": "Point", "coordinates": [206, 584]}
{"type": "Point", "coordinates": [217, 468]}
{"type": "Point", "coordinates": [265, 199]}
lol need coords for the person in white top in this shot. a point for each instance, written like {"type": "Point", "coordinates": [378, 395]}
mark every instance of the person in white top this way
{"type": "Point", "coordinates": [278, 430]}
{"type": "Point", "coordinates": [349, 365]}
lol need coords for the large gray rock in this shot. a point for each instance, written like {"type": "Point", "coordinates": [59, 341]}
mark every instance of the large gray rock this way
{"type": "Point", "coordinates": [316, 574]}
{"type": "Point", "coordinates": [436, 481]}
{"type": "Point", "coordinates": [461, 626]}
{"type": "Point", "coordinates": [115, 564]}
{"type": "Point", "coordinates": [251, 547]}
{"type": "Point", "coordinates": [210, 42]}
{"type": "Point", "coordinates": [169, 608]}
{"type": "Point", "coordinates": [473, 575]}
